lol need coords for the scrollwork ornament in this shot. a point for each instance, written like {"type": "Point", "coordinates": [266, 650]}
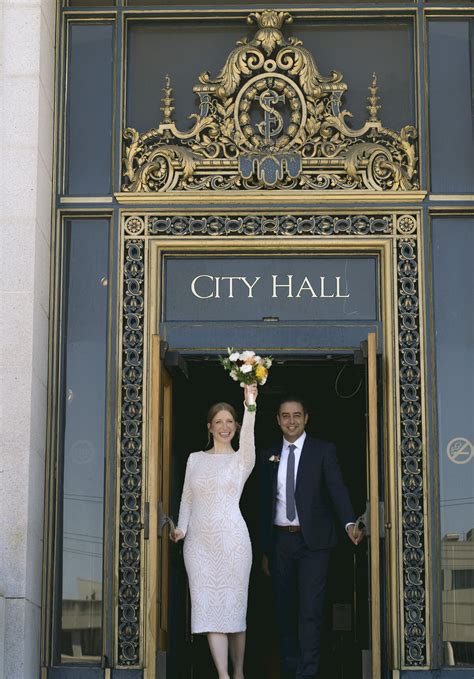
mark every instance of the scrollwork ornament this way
{"type": "Point", "coordinates": [406, 224]}
{"type": "Point", "coordinates": [131, 447]}
{"type": "Point", "coordinates": [411, 446]}
{"type": "Point", "coordinates": [270, 120]}
{"type": "Point", "coordinates": [321, 225]}
{"type": "Point", "coordinates": [134, 226]}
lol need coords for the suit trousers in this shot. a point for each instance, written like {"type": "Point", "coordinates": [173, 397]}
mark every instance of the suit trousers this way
{"type": "Point", "coordinates": [299, 580]}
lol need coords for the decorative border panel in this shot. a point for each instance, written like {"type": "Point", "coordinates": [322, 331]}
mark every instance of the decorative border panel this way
{"type": "Point", "coordinates": [411, 452]}
{"type": "Point", "coordinates": [323, 225]}
{"type": "Point", "coordinates": [402, 229]}
{"type": "Point", "coordinates": [131, 454]}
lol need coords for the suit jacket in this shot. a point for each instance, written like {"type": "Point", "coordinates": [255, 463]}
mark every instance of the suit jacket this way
{"type": "Point", "coordinates": [320, 494]}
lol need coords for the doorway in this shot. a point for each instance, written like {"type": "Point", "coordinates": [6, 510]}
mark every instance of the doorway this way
{"type": "Point", "coordinates": [335, 391]}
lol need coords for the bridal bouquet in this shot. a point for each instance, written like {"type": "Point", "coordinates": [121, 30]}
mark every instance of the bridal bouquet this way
{"type": "Point", "coordinates": [246, 367]}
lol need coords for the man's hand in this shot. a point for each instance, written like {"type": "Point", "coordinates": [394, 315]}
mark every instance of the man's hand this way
{"type": "Point", "coordinates": [176, 535]}
{"type": "Point", "coordinates": [265, 565]}
{"type": "Point", "coordinates": [355, 536]}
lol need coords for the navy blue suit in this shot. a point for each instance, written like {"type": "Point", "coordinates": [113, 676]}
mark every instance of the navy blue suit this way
{"type": "Point", "coordinates": [299, 561]}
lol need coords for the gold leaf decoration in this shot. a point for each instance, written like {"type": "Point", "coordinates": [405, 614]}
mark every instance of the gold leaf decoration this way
{"type": "Point", "coordinates": [270, 120]}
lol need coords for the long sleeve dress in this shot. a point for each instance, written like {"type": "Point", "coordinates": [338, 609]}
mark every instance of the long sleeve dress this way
{"type": "Point", "coordinates": [217, 549]}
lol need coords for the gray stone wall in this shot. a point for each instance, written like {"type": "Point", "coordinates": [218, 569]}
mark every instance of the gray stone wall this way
{"type": "Point", "coordinates": [27, 51]}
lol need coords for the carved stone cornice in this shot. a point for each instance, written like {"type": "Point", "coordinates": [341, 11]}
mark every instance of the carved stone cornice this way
{"type": "Point", "coordinates": [270, 120]}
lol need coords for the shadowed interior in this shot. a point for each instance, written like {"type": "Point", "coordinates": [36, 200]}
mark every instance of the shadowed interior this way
{"type": "Point", "coordinates": [335, 394]}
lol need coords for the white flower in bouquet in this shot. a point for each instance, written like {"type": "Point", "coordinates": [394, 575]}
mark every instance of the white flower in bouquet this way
{"type": "Point", "coordinates": [246, 368]}
{"type": "Point", "coordinates": [234, 356]}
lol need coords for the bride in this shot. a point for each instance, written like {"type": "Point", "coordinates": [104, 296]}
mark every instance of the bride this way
{"type": "Point", "coordinates": [217, 549]}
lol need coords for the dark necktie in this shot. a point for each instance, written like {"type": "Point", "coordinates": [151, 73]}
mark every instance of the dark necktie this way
{"type": "Point", "coordinates": [290, 484]}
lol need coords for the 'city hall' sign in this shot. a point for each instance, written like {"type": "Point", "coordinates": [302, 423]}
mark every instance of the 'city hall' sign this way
{"type": "Point", "coordinates": [259, 288]}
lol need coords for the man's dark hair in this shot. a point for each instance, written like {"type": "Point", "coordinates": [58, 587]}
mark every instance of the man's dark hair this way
{"type": "Point", "coordinates": [292, 398]}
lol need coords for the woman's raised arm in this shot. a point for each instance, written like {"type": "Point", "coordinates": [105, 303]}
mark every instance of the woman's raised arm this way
{"type": "Point", "coordinates": [247, 435]}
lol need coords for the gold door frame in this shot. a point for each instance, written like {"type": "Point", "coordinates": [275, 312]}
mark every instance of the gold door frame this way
{"type": "Point", "coordinates": [395, 235]}
{"type": "Point", "coordinates": [158, 494]}
{"type": "Point", "coordinates": [374, 514]}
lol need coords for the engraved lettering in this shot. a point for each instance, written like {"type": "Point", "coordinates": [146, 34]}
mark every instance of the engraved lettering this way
{"type": "Point", "coordinates": [193, 287]}
{"type": "Point", "coordinates": [288, 286]}
{"type": "Point", "coordinates": [306, 286]}
{"type": "Point", "coordinates": [322, 293]}
{"type": "Point", "coordinates": [231, 280]}
{"type": "Point", "coordinates": [338, 291]}
{"type": "Point", "coordinates": [250, 286]}
{"type": "Point", "coordinates": [282, 286]}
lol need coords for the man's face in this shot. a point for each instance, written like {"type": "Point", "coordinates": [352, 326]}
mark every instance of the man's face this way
{"type": "Point", "coordinates": [292, 420]}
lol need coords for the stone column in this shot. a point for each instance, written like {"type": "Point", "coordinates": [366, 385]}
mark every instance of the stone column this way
{"type": "Point", "coordinates": [27, 49]}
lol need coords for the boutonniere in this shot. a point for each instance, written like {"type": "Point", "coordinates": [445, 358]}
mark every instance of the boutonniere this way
{"type": "Point", "coordinates": [274, 459]}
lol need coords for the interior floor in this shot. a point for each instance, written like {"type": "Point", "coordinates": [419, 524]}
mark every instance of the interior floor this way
{"type": "Point", "coordinates": [334, 391]}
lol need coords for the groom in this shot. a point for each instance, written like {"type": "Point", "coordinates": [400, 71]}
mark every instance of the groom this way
{"type": "Point", "coordinates": [302, 489]}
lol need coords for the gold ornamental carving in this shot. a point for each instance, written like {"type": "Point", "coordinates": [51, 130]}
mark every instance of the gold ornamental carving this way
{"type": "Point", "coordinates": [270, 120]}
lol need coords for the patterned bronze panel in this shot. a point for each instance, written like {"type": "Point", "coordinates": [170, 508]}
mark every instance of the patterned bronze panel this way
{"type": "Point", "coordinates": [131, 454]}
{"type": "Point", "coordinates": [270, 226]}
{"type": "Point", "coordinates": [411, 452]}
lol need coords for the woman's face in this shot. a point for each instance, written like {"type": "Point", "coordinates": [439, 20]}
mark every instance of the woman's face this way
{"type": "Point", "coordinates": [222, 427]}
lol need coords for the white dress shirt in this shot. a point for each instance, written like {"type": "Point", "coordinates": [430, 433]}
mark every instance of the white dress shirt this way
{"type": "Point", "coordinates": [281, 518]}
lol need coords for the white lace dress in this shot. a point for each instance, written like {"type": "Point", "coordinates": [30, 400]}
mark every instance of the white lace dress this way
{"type": "Point", "coordinates": [217, 549]}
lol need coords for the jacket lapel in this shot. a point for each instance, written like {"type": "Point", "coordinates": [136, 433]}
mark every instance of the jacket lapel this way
{"type": "Point", "coordinates": [276, 450]}
{"type": "Point", "coordinates": [304, 461]}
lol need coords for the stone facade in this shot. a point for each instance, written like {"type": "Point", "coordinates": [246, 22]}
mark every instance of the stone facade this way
{"type": "Point", "coordinates": [27, 44]}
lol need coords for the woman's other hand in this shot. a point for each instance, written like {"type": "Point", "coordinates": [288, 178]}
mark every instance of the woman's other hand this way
{"type": "Point", "coordinates": [176, 535]}
{"type": "Point", "coordinates": [248, 390]}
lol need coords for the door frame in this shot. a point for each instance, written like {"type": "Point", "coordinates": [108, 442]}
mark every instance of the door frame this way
{"type": "Point", "coordinates": [375, 584]}
{"type": "Point", "coordinates": [399, 251]}
{"type": "Point", "coordinates": [161, 424]}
